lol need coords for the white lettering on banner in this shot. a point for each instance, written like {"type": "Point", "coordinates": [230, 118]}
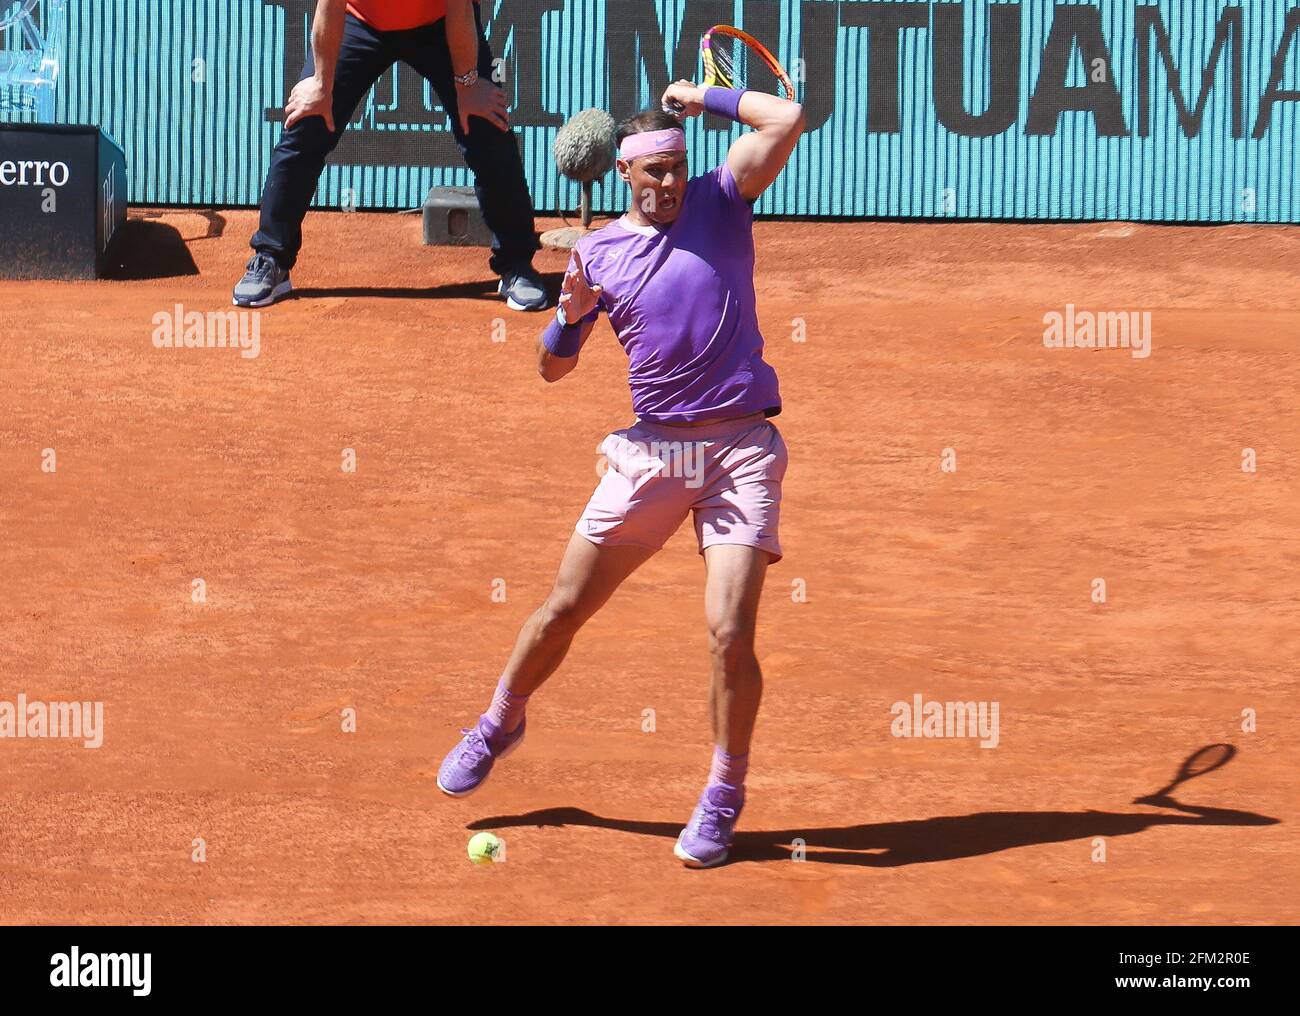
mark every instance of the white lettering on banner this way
{"type": "Point", "coordinates": [28, 173]}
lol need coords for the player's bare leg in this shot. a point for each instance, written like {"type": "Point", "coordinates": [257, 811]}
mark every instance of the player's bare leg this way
{"type": "Point", "coordinates": [587, 578]}
{"type": "Point", "coordinates": [731, 595]}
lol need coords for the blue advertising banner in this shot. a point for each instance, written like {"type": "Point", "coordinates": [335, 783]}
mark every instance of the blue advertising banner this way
{"type": "Point", "coordinates": [1183, 110]}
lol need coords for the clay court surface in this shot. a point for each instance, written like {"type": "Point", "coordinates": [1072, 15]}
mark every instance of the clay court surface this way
{"type": "Point", "coordinates": [373, 590]}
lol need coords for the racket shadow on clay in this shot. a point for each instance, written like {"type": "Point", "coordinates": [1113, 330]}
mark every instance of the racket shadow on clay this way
{"type": "Point", "coordinates": [1198, 763]}
{"type": "Point", "coordinates": [921, 841]}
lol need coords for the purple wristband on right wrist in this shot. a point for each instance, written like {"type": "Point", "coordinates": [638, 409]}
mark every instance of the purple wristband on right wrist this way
{"type": "Point", "coordinates": [723, 101]}
{"type": "Point", "coordinates": [562, 340]}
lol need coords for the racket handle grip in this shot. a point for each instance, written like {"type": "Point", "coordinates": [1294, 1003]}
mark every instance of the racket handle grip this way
{"type": "Point", "coordinates": [673, 107]}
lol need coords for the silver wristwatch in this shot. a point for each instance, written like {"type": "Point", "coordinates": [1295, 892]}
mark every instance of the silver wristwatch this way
{"type": "Point", "coordinates": [466, 79]}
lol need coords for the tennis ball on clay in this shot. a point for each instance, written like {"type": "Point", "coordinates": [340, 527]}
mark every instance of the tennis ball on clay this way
{"type": "Point", "coordinates": [484, 848]}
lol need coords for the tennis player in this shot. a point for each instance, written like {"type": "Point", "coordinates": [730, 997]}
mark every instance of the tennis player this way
{"type": "Point", "coordinates": [675, 276]}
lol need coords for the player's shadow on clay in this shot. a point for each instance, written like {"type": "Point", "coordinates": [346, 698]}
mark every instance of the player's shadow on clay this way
{"type": "Point", "coordinates": [918, 841]}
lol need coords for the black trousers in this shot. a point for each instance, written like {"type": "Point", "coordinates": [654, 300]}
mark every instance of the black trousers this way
{"type": "Point", "coordinates": [491, 154]}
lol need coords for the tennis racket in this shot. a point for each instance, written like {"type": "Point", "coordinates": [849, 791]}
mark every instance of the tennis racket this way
{"type": "Point", "coordinates": [732, 58]}
{"type": "Point", "coordinates": [1200, 762]}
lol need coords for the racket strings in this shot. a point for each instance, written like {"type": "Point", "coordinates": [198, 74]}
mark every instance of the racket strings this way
{"type": "Point", "coordinates": [729, 61]}
{"type": "Point", "coordinates": [736, 63]}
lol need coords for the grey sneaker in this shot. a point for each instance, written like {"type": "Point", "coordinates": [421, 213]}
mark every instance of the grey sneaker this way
{"type": "Point", "coordinates": [523, 289]}
{"type": "Point", "coordinates": [263, 283]}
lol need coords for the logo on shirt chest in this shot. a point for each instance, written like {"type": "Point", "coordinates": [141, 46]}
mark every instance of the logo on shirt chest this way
{"type": "Point", "coordinates": [613, 257]}
{"type": "Point", "coordinates": [606, 261]}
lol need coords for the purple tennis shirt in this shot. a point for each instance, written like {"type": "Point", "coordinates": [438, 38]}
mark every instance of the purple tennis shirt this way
{"type": "Point", "coordinates": [681, 301]}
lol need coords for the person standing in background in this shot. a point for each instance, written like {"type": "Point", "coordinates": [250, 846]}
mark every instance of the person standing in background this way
{"type": "Point", "coordinates": [352, 44]}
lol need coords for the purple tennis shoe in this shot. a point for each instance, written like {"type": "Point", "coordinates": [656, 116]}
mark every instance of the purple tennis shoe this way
{"type": "Point", "coordinates": [706, 840]}
{"type": "Point", "coordinates": [467, 765]}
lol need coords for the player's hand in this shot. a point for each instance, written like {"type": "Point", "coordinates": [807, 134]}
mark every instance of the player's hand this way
{"type": "Point", "coordinates": [576, 297]}
{"type": "Point", "coordinates": [485, 99]}
{"type": "Point", "coordinates": [310, 98]}
{"type": "Point", "coordinates": [683, 99]}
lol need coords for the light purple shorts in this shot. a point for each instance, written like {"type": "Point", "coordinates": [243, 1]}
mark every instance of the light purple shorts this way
{"type": "Point", "coordinates": [729, 473]}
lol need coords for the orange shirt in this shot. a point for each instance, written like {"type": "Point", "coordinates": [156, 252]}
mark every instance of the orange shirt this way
{"type": "Point", "coordinates": [395, 15]}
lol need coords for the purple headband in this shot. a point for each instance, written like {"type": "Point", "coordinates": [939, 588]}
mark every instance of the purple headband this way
{"type": "Point", "coordinates": [671, 139]}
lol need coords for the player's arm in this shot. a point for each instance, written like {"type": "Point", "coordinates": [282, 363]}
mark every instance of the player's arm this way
{"type": "Point", "coordinates": [561, 342]}
{"type": "Point", "coordinates": [757, 158]}
{"type": "Point", "coordinates": [553, 366]}
{"type": "Point", "coordinates": [314, 96]}
{"type": "Point", "coordinates": [475, 96]}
